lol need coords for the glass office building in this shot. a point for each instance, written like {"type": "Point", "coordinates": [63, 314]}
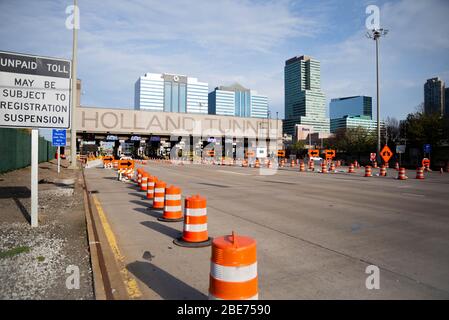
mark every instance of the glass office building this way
{"type": "Point", "coordinates": [304, 100]}
{"type": "Point", "coordinates": [236, 100]}
{"type": "Point", "coordinates": [347, 122]}
{"type": "Point", "coordinates": [351, 106]}
{"type": "Point", "coordinates": [170, 93]}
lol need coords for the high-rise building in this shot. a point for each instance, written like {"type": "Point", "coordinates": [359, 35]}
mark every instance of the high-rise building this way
{"type": "Point", "coordinates": [351, 106]}
{"type": "Point", "coordinates": [304, 100]}
{"type": "Point", "coordinates": [170, 93]}
{"type": "Point", "coordinates": [446, 102]}
{"type": "Point", "coordinates": [434, 96]}
{"type": "Point", "coordinates": [236, 100]}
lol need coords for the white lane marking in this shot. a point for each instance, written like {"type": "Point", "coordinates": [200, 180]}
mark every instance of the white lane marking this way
{"type": "Point", "coordinates": [243, 174]}
{"type": "Point", "coordinates": [412, 194]}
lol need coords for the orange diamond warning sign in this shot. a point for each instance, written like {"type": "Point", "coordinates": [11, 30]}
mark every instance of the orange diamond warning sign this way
{"type": "Point", "coordinates": [386, 154]}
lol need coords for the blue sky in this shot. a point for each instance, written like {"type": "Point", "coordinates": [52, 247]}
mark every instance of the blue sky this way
{"type": "Point", "coordinates": [248, 41]}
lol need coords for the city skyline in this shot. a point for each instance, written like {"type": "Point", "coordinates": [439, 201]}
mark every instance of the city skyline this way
{"type": "Point", "coordinates": [245, 43]}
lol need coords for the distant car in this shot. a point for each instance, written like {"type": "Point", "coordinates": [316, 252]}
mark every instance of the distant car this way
{"type": "Point", "coordinates": [125, 158]}
{"type": "Point", "coordinates": [316, 159]}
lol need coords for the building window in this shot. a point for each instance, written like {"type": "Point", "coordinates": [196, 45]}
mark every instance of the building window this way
{"type": "Point", "coordinates": [167, 96]}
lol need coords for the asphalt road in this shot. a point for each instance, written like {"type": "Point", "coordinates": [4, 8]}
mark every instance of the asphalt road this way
{"type": "Point", "coordinates": [316, 233]}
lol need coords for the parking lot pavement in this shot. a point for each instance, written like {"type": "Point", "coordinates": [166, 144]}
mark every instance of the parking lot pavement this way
{"type": "Point", "coordinates": [316, 233]}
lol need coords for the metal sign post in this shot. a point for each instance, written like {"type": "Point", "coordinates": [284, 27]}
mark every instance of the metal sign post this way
{"type": "Point", "coordinates": [59, 159]}
{"type": "Point", "coordinates": [34, 175]}
{"type": "Point", "coordinates": [35, 94]}
{"type": "Point", "coordinates": [59, 139]}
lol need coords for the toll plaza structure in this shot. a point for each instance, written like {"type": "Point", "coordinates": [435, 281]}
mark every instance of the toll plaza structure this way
{"type": "Point", "coordinates": [141, 134]}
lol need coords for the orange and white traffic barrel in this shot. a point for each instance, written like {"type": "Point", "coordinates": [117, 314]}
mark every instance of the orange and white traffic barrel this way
{"type": "Point", "coordinates": [150, 186]}
{"type": "Point", "coordinates": [144, 181]}
{"type": "Point", "coordinates": [281, 163]}
{"type": "Point", "coordinates": [332, 168]}
{"type": "Point", "coordinates": [375, 165]}
{"type": "Point", "coordinates": [401, 174]}
{"type": "Point", "coordinates": [302, 167]}
{"type": "Point", "coordinates": [368, 172]}
{"type": "Point", "coordinates": [323, 167]}
{"type": "Point", "coordinates": [292, 163]}
{"type": "Point", "coordinates": [312, 165]}
{"type": "Point", "coordinates": [233, 269]}
{"type": "Point", "coordinates": [420, 173]}
{"type": "Point", "coordinates": [351, 168]}
{"type": "Point", "coordinates": [383, 171]}
{"type": "Point", "coordinates": [173, 205]}
{"type": "Point", "coordinates": [159, 195]}
{"type": "Point", "coordinates": [257, 164]}
{"type": "Point", "coordinates": [194, 233]}
{"type": "Point", "coordinates": [139, 177]}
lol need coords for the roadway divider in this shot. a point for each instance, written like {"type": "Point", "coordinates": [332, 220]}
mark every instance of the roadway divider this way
{"type": "Point", "coordinates": [233, 269]}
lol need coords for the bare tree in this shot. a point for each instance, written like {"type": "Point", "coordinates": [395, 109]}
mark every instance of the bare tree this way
{"type": "Point", "coordinates": [392, 127]}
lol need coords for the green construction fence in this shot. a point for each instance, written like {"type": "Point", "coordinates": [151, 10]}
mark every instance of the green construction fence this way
{"type": "Point", "coordinates": [15, 149]}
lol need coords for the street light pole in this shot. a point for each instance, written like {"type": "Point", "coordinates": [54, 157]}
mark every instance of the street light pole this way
{"type": "Point", "coordinates": [74, 95]}
{"type": "Point", "coordinates": [375, 34]}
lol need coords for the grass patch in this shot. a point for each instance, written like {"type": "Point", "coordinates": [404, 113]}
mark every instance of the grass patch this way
{"type": "Point", "coordinates": [13, 252]}
{"type": "Point", "coordinates": [40, 259]}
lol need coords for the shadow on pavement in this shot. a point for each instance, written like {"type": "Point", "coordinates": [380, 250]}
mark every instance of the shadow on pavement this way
{"type": "Point", "coordinates": [163, 283]}
{"type": "Point", "coordinates": [23, 210]}
{"type": "Point", "coordinates": [152, 213]}
{"type": "Point", "coordinates": [14, 192]}
{"type": "Point", "coordinates": [162, 228]}
{"type": "Point", "coordinates": [147, 203]}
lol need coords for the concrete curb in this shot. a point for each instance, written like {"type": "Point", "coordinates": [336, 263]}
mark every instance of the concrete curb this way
{"type": "Point", "coordinates": [108, 284]}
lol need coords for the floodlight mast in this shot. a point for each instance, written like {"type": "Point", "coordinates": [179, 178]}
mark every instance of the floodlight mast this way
{"type": "Point", "coordinates": [375, 34]}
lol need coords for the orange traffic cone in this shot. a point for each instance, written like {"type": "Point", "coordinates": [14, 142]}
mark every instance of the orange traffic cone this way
{"type": "Point", "coordinates": [233, 269]}
{"type": "Point", "coordinates": [144, 181]}
{"type": "Point", "coordinates": [195, 224]}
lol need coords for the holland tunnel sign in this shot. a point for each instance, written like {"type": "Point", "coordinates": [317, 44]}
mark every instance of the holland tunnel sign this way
{"type": "Point", "coordinates": [34, 91]}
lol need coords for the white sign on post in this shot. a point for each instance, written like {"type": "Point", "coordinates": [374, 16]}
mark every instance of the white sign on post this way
{"type": "Point", "coordinates": [34, 93]}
